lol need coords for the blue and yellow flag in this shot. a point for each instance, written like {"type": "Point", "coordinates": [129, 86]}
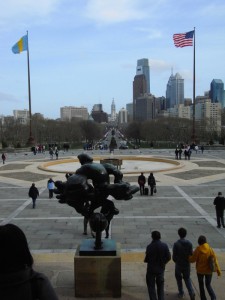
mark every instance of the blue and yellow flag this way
{"type": "Point", "coordinates": [21, 45]}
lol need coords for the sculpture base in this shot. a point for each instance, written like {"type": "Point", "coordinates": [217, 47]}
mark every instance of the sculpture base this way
{"type": "Point", "coordinates": [97, 276]}
{"type": "Point", "coordinates": [87, 248]}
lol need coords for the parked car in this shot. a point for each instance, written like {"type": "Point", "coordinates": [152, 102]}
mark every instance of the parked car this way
{"type": "Point", "coordinates": [123, 147]}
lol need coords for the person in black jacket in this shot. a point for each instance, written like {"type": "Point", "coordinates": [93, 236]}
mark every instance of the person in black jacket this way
{"type": "Point", "coordinates": [33, 194]}
{"type": "Point", "coordinates": [141, 182]}
{"type": "Point", "coordinates": [18, 279]}
{"type": "Point", "coordinates": [219, 203]}
{"type": "Point", "coordinates": [157, 256]}
{"type": "Point", "coordinates": [151, 182]}
{"type": "Point", "coordinates": [182, 249]}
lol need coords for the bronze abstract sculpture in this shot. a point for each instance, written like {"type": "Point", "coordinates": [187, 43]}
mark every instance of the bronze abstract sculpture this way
{"type": "Point", "coordinates": [84, 196]}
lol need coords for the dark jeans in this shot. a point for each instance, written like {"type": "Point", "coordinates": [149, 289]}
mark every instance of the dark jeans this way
{"type": "Point", "coordinates": [142, 187]}
{"type": "Point", "coordinates": [50, 194]}
{"type": "Point", "coordinates": [220, 217]}
{"type": "Point", "coordinates": [34, 202]}
{"type": "Point", "coordinates": [157, 279]}
{"type": "Point", "coordinates": [151, 189]}
{"type": "Point", "coordinates": [208, 279]}
{"type": "Point", "coordinates": [183, 273]}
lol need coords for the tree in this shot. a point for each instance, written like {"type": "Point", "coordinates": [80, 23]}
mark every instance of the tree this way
{"type": "Point", "coordinates": [91, 130]}
{"type": "Point", "coordinates": [133, 131]}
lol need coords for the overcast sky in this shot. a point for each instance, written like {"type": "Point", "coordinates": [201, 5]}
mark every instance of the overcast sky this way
{"type": "Point", "coordinates": [84, 52]}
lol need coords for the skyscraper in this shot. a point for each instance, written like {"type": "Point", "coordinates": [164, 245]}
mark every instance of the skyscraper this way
{"type": "Point", "coordinates": [141, 83]}
{"type": "Point", "coordinates": [113, 111]}
{"type": "Point", "coordinates": [217, 93]}
{"type": "Point", "coordinates": [122, 118]}
{"type": "Point", "coordinates": [175, 90]}
{"type": "Point", "coordinates": [145, 108]}
{"type": "Point", "coordinates": [139, 86]}
{"type": "Point", "coordinates": [143, 68]}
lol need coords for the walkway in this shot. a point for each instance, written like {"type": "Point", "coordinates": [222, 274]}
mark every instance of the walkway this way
{"type": "Point", "coordinates": [54, 230]}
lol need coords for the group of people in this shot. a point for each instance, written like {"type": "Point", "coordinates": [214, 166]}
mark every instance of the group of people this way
{"type": "Point", "coordinates": [187, 151]}
{"type": "Point", "coordinates": [38, 149]}
{"type": "Point", "coordinates": [33, 192]}
{"type": "Point", "coordinates": [158, 255]}
{"type": "Point", "coordinates": [151, 183]}
{"type": "Point", "coordinates": [52, 152]}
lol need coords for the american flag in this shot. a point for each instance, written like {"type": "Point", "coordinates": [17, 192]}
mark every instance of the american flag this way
{"type": "Point", "coordinates": [183, 39]}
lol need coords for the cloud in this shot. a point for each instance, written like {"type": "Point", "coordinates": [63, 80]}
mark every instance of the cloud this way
{"type": "Point", "coordinates": [114, 11]}
{"type": "Point", "coordinates": [15, 11]}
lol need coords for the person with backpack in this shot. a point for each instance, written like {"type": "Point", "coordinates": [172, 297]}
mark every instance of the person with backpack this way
{"type": "Point", "coordinates": [33, 194]}
{"type": "Point", "coordinates": [201, 257]}
{"type": "Point", "coordinates": [182, 249]}
{"type": "Point", "coordinates": [151, 183]}
{"type": "Point", "coordinates": [18, 279]}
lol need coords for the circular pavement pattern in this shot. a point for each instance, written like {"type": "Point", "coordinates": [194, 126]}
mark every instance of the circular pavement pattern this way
{"type": "Point", "coordinates": [130, 165]}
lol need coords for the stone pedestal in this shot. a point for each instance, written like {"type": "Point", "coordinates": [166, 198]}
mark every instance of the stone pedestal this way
{"type": "Point", "coordinates": [97, 276]}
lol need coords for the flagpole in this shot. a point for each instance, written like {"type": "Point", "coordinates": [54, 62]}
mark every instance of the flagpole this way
{"type": "Point", "coordinates": [30, 139]}
{"type": "Point", "coordinates": [193, 125]}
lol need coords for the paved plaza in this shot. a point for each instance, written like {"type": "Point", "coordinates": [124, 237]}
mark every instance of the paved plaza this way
{"type": "Point", "coordinates": [184, 198]}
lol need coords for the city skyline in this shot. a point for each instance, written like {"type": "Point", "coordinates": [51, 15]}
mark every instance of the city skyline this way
{"type": "Point", "coordinates": [85, 52]}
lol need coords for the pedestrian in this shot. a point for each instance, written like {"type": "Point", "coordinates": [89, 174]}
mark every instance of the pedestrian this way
{"type": "Point", "coordinates": [189, 153]}
{"type": "Point", "coordinates": [182, 249]}
{"type": "Point", "coordinates": [180, 153]}
{"type": "Point", "coordinates": [3, 158]}
{"type": "Point", "coordinates": [219, 203]}
{"type": "Point", "coordinates": [196, 149]}
{"type": "Point", "coordinates": [33, 194]}
{"type": "Point", "coordinates": [51, 153]}
{"type": "Point", "coordinates": [108, 210]}
{"type": "Point", "coordinates": [157, 256]}
{"type": "Point", "coordinates": [176, 153]}
{"type": "Point", "coordinates": [56, 153]}
{"type": "Point", "coordinates": [141, 182]}
{"type": "Point", "coordinates": [50, 186]}
{"type": "Point", "coordinates": [151, 183]}
{"type": "Point", "coordinates": [201, 257]}
{"type": "Point", "coordinates": [18, 279]}
{"type": "Point", "coordinates": [202, 148]}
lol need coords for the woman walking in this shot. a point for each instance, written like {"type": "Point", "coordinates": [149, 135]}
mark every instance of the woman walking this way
{"type": "Point", "coordinates": [201, 256]}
